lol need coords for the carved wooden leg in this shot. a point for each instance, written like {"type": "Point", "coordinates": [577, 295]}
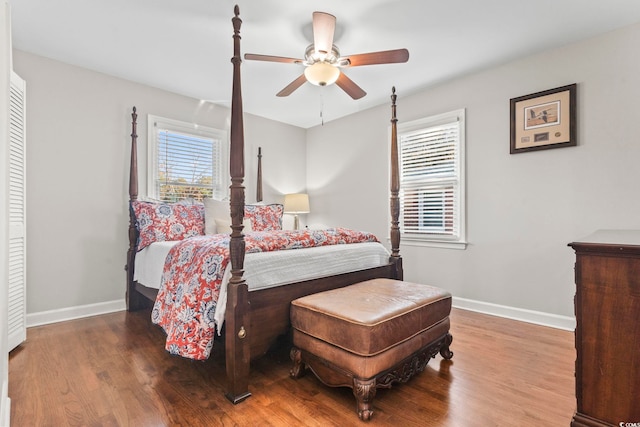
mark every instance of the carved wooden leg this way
{"type": "Point", "coordinates": [364, 391]}
{"type": "Point", "coordinates": [298, 367]}
{"type": "Point", "coordinates": [444, 350]}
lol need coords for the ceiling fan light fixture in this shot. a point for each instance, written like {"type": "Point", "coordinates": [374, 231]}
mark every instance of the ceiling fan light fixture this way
{"type": "Point", "coordinates": [321, 74]}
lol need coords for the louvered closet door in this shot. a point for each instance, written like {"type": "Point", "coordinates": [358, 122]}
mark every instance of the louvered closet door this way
{"type": "Point", "coordinates": [17, 215]}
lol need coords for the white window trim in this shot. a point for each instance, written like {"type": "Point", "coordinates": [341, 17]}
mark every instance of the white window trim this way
{"type": "Point", "coordinates": [442, 241]}
{"type": "Point", "coordinates": [192, 128]}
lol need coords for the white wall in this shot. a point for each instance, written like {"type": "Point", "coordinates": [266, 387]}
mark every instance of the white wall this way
{"type": "Point", "coordinates": [522, 209]}
{"type": "Point", "coordinates": [283, 161]}
{"type": "Point", "coordinates": [78, 150]}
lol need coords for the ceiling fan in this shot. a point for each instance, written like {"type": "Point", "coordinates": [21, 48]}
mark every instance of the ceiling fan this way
{"type": "Point", "coordinates": [323, 62]}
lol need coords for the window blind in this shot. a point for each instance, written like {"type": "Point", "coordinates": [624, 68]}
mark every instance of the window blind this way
{"type": "Point", "coordinates": [430, 175]}
{"type": "Point", "coordinates": [187, 162]}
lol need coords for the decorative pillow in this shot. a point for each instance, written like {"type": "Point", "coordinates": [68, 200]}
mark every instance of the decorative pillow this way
{"type": "Point", "coordinates": [159, 222]}
{"type": "Point", "coordinates": [214, 210]}
{"type": "Point", "coordinates": [224, 225]}
{"type": "Point", "coordinates": [265, 217]}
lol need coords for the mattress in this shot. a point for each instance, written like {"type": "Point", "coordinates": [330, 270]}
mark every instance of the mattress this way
{"type": "Point", "coordinates": [269, 269]}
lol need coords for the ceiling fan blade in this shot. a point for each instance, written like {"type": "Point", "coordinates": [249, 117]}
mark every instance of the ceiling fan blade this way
{"type": "Point", "coordinates": [269, 58]}
{"type": "Point", "coordinates": [382, 57]}
{"type": "Point", "coordinates": [324, 26]}
{"type": "Point", "coordinates": [348, 85]}
{"type": "Point", "coordinates": [292, 86]}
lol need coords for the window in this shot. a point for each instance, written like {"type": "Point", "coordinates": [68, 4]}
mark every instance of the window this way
{"type": "Point", "coordinates": [186, 161]}
{"type": "Point", "coordinates": [432, 187]}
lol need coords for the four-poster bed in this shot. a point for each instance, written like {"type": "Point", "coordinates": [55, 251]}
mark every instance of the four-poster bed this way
{"type": "Point", "coordinates": [254, 319]}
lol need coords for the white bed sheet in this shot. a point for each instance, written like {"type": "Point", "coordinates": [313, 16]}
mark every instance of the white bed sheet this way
{"type": "Point", "coordinates": [270, 269]}
{"type": "Point", "coordinates": [150, 262]}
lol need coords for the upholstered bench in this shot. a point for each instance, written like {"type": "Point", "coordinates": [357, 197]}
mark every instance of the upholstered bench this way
{"type": "Point", "coordinates": [370, 335]}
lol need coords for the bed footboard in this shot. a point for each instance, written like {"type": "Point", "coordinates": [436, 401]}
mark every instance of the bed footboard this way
{"type": "Point", "coordinates": [270, 307]}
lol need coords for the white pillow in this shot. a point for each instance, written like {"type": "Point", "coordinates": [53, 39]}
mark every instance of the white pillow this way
{"type": "Point", "coordinates": [215, 209]}
{"type": "Point", "coordinates": [224, 225]}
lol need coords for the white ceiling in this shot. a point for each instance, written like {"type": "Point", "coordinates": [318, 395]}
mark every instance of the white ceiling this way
{"type": "Point", "coordinates": [185, 46]}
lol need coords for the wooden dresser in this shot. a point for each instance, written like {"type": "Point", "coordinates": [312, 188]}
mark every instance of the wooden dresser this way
{"type": "Point", "coordinates": [607, 306]}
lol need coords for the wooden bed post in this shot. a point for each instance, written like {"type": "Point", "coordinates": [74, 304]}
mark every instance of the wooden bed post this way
{"type": "Point", "coordinates": [237, 320]}
{"type": "Point", "coordinates": [395, 190]}
{"type": "Point", "coordinates": [259, 180]}
{"type": "Point", "coordinates": [134, 299]}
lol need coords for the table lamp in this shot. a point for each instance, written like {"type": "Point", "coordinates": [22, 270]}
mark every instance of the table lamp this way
{"type": "Point", "coordinates": [296, 204]}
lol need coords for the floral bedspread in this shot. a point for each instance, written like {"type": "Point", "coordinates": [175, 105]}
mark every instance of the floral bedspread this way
{"type": "Point", "coordinates": [193, 273]}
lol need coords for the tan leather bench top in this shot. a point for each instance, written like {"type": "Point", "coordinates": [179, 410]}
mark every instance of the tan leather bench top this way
{"type": "Point", "coordinates": [372, 316]}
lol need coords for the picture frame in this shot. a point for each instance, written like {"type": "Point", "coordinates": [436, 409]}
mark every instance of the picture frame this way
{"type": "Point", "coordinates": [544, 120]}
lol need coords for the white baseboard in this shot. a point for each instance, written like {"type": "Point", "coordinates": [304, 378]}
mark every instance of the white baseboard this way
{"type": "Point", "coordinates": [70, 313]}
{"type": "Point", "coordinates": [567, 323]}
{"type": "Point", "coordinates": [5, 406]}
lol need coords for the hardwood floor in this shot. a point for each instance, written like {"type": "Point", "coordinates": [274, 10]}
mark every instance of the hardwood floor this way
{"type": "Point", "coordinates": [112, 370]}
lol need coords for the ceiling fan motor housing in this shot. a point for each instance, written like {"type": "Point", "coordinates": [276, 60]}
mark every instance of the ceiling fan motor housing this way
{"type": "Point", "coordinates": [311, 56]}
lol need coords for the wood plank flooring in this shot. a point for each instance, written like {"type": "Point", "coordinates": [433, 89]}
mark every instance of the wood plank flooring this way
{"type": "Point", "coordinates": [112, 370]}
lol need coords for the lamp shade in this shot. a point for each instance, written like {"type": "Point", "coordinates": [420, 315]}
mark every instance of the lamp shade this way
{"type": "Point", "coordinates": [296, 203]}
{"type": "Point", "coordinates": [321, 74]}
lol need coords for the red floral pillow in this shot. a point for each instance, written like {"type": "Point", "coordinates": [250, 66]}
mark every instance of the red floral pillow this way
{"type": "Point", "coordinates": [264, 217]}
{"type": "Point", "coordinates": [159, 222]}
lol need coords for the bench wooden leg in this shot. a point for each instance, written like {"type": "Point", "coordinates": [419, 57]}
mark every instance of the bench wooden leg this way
{"type": "Point", "coordinates": [445, 352]}
{"type": "Point", "coordinates": [298, 366]}
{"type": "Point", "coordinates": [364, 391]}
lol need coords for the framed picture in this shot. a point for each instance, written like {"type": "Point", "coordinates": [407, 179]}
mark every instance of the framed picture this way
{"type": "Point", "coordinates": [544, 120]}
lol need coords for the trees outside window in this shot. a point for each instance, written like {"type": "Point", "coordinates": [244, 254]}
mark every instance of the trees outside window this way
{"type": "Point", "coordinates": [186, 161]}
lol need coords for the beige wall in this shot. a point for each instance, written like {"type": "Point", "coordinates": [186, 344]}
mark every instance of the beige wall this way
{"type": "Point", "coordinates": [78, 127]}
{"type": "Point", "coordinates": [522, 209]}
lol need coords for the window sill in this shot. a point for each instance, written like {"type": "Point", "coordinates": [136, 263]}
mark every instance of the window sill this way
{"type": "Point", "coordinates": [442, 244]}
